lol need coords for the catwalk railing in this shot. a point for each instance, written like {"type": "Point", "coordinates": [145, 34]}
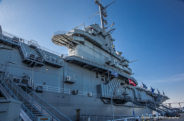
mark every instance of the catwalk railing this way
{"type": "Point", "coordinates": [104, 117]}
{"type": "Point", "coordinates": [9, 38]}
{"type": "Point", "coordinates": [123, 117]}
{"type": "Point", "coordinates": [97, 62]}
{"type": "Point", "coordinates": [82, 93]}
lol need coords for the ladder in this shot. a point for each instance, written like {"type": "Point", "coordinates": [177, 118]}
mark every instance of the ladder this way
{"type": "Point", "coordinates": [37, 48]}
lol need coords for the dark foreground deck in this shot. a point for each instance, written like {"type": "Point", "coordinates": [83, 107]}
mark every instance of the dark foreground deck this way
{"type": "Point", "coordinates": [181, 118]}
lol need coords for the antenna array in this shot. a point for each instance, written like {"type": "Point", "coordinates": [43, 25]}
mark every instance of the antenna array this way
{"type": "Point", "coordinates": [103, 14]}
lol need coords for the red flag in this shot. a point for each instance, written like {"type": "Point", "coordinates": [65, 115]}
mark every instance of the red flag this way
{"type": "Point", "coordinates": [131, 82]}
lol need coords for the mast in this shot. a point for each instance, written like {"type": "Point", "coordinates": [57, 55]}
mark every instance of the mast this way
{"type": "Point", "coordinates": [101, 16]}
{"type": "Point", "coordinates": [103, 13]}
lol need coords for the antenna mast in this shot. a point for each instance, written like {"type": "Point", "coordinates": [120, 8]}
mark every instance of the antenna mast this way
{"type": "Point", "coordinates": [103, 13]}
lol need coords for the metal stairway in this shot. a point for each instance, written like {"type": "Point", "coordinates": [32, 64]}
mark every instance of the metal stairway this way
{"type": "Point", "coordinates": [30, 59]}
{"type": "Point", "coordinates": [22, 51]}
{"type": "Point", "coordinates": [37, 48]}
{"type": "Point", "coordinates": [4, 92]}
{"type": "Point", "coordinates": [6, 86]}
{"type": "Point", "coordinates": [56, 62]}
{"type": "Point", "coordinates": [30, 105]}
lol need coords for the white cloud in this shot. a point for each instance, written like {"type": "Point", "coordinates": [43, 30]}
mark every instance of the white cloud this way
{"type": "Point", "coordinates": [178, 77]}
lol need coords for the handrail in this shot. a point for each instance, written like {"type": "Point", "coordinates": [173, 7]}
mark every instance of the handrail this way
{"type": "Point", "coordinates": [23, 48]}
{"type": "Point", "coordinates": [46, 111]}
{"type": "Point", "coordinates": [97, 63]}
{"type": "Point", "coordinates": [24, 95]}
{"type": "Point", "coordinates": [48, 103]}
{"type": "Point", "coordinates": [50, 51]}
{"type": "Point", "coordinates": [54, 89]}
{"type": "Point", "coordinates": [10, 36]}
{"type": "Point", "coordinates": [22, 105]}
{"type": "Point", "coordinates": [163, 109]}
{"type": "Point", "coordinates": [38, 46]}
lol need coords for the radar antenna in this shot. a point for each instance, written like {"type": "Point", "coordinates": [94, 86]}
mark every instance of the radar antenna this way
{"type": "Point", "coordinates": [132, 61]}
{"type": "Point", "coordinates": [103, 13]}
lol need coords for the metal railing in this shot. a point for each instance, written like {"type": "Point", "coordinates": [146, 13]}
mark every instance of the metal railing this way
{"type": "Point", "coordinates": [33, 42]}
{"type": "Point", "coordinates": [50, 51]}
{"type": "Point", "coordinates": [70, 92]}
{"type": "Point", "coordinates": [84, 93]}
{"type": "Point", "coordinates": [123, 117]}
{"type": "Point", "coordinates": [29, 55]}
{"type": "Point", "coordinates": [145, 118]}
{"type": "Point", "coordinates": [52, 59]}
{"type": "Point", "coordinates": [54, 89]}
{"type": "Point", "coordinates": [106, 117]}
{"type": "Point", "coordinates": [59, 32]}
{"type": "Point", "coordinates": [23, 49]}
{"type": "Point", "coordinates": [16, 95]}
{"type": "Point", "coordinates": [9, 37]}
{"type": "Point", "coordinates": [29, 99]}
{"type": "Point", "coordinates": [55, 113]}
{"type": "Point", "coordinates": [99, 63]}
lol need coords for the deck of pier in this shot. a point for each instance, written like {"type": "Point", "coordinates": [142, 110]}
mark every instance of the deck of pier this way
{"type": "Point", "coordinates": [181, 118]}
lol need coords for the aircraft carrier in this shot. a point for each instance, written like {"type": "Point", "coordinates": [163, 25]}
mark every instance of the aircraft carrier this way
{"type": "Point", "coordinates": [92, 81]}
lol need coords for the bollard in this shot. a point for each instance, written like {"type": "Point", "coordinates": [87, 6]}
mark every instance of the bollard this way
{"type": "Point", "coordinates": [142, 117]}
{"type": "Point", "coordinates": [147, 117]}
{"type": "Point", "coordinates": [88, 119]}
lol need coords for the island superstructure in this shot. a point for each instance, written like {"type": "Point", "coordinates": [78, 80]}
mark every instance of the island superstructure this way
{"type": "Point", "coordinates": [93, 79]}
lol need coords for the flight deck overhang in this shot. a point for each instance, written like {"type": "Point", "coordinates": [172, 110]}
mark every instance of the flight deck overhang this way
{"type": "Point", "coordinates": [102, 69]}
{"type": "Point", "coordinates": [66, 39]}
{"type": "Point", "coordinates": [62, 39]}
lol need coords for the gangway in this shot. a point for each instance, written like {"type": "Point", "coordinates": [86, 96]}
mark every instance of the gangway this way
{"type": "Point", "coordinates": [30, 105]}
{"type": "Point", "coordinates": [5, 93]}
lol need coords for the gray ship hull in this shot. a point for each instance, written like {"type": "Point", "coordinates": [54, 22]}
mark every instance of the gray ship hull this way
{"type": "Point", "coordinates": [47, 75]}
{"type": "Point", "coordinates": [92, 81]}
{"type": "Point", "coordinates": [91, 106]}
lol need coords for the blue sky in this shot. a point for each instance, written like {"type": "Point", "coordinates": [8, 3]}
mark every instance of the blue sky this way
{"type": "Point", "coordinates": [150, 31]}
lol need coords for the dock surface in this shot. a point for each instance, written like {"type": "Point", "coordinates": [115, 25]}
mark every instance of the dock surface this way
{"type": "Point", "coordinates": [181, 118]}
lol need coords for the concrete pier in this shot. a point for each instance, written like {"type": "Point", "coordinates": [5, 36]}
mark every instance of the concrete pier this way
{"type": "Point", "coordinates": [181, 118]}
